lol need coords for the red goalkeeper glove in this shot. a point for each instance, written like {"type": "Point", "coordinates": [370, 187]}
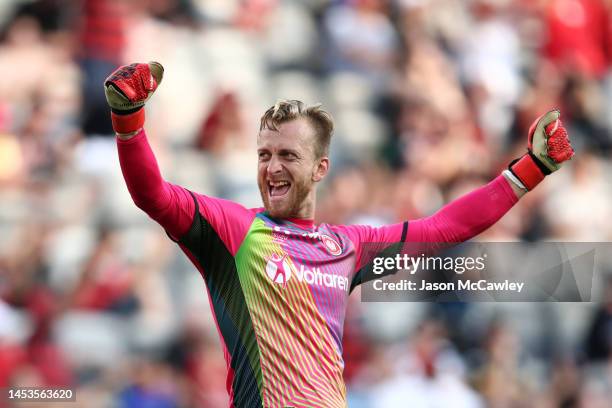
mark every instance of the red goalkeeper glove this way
{"type": "Point", "coordinates": [127, 89]}
{"type": "Point", "coordinates": [548, 147]}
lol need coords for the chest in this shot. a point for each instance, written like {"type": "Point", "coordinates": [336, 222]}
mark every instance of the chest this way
{"type": "Point", "coordinates": [319, 258]}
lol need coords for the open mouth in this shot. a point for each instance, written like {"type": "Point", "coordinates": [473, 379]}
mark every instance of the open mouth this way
{"type": "Point", "coordinates": [278, 188]}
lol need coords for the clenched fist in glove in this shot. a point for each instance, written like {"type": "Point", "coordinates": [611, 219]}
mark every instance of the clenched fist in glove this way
{"type": "Point", "coordinates": [127, 89]}
{"type": "Point", "coordinates": [548, 147]}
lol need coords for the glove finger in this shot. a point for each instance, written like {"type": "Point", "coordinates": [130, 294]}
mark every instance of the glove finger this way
{"type": "Point", "coordinates": [114, 95]}
{"type": "Point", "coordinates": [539, 135]}
{"type": "Point", "coordinates": [157, 70]}
{"type": "Point", "coordinates": [133, 81]}
{"type": "Point", "coordinates": [117, 80]}
{"type": "Point", "coordinates": [540, 124]}
{"type": "Point", "coordinates": [551, 128]}
{"type": "Point", "coordinates": [559, 146]}
{"type": "Point", "coordinates": [549, 117]}
{"type": "Point", "coordinates": [126, 91]}
{"type": "Point", "coordinates": [148, 82]}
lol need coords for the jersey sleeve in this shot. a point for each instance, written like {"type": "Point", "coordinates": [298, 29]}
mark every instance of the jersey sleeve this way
{"type": "Point", "coordinates": [173, 206]}
{"type": "Point", "coordinates": [456, 222]}
{"type": "Point", "coordinates": [377, 239]}
{"type": "Point", "coordinates": [467, 216]}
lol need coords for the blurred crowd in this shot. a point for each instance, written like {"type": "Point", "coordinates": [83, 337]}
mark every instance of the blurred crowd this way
{"type": "Point", "coordinates": [431, 98]}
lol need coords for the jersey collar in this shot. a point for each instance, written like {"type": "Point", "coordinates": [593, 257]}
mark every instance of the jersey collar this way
{"type": "Point", "coordinates": [302, 223]}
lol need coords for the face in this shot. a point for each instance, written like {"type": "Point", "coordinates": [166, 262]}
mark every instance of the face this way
{"type": "Point", "coordinates": [288, 169]}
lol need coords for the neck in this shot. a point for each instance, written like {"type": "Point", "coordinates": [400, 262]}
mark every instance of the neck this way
{"type": "Point", "coordinates": [307, 208]}
{"type": "Point", "coordinates": [304, 211]}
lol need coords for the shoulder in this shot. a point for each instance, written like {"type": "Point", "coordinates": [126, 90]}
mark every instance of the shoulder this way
{"type": "Point", "coordinates": [359, 233]}
{"type": "Point", "coordinates": [207, 203]}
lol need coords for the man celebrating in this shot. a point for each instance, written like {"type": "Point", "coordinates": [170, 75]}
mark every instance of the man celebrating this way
{"type": "Point", "coordinates": [278, 284]}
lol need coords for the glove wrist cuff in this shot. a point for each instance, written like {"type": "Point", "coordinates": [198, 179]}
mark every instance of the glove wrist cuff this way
{"type": "Point", "coordinates": [129, 123]}
{"type": "Point", "coordinates": [527, 170]}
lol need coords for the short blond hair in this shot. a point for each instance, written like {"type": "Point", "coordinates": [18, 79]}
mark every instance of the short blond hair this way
{"type": "Point", "coordinates": [288, 110]}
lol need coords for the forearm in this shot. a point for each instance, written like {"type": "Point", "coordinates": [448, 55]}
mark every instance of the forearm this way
{"type": "Point", "coordinates": [141, 172]}
{"type": "Point", "coordinates": [170, 205]}
{"type": "Point", "coordinates": [127, 136]}
{"type": "Point", "coordinates": [467, 216]}
{"type": "Point", "coordinates": [518, 191]}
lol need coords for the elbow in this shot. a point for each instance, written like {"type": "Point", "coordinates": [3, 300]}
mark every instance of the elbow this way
{"type": "Point", "coordinates": [150, 199]}
{"type": "Point", "coordinates": [151, 207]}
{"type": "Point", "coordinates": [147, 204]}
{"type": "Point", "coordinates": [444, 231]}
{"type": "Point", "coordinates": [141, 203]}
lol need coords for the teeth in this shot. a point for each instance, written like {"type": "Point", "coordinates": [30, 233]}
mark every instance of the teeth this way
{"type": "Point", "coordinates": [279, 183]}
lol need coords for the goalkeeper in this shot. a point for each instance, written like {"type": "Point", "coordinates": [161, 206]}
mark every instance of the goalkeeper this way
{"type": "Point", "coordinates": [278, 284]}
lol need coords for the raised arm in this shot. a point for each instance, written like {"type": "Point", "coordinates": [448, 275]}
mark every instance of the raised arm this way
{"type": "Point", "coordinates": [471, 214]}
{"type": "Point", "coordinates": [466, 217]}
{"type": "Point", "coordinates": [127, 89]}
{"type": "Point", "coordinates": [456, 222]}
{"type": "Point", "coordinates": [173, 207]}
{"type": "Point", "coordinates": [170, 205]}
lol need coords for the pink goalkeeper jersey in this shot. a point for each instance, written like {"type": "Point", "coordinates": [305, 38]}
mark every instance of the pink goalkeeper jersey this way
{"type": "Point", "coordinates": [279, 288]}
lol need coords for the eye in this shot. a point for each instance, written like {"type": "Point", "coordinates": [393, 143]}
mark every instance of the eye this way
{"type": "Point", "coordinates": [263, 156]}
{"type": "Point", "coordinates": [290, 156]}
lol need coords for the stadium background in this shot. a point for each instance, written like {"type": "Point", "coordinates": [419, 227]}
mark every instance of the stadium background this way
{"type": "Point", "coordinates": [430, 97]}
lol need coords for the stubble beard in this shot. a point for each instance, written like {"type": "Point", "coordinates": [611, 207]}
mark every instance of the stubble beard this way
{"type": "Point", "coordinates": [292, 203]}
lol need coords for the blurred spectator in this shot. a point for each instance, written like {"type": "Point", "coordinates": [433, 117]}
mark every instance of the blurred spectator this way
{"type": "Point", "coordinates": [499, 380]}
{"type": "Point", "coordinates": [153, 387]}
{"type": "Point", "coordinates": [101, 43]}
{"type": "Point", "coordinates": [222, 123]}
{"type": "Point", "coordinates": [490, 62]}
{"type": "Point", "coordinates": [362, 38]}
{"type": "Point", "coordinates": [106, 282]}
{"type": "Point", "coordinates": [428, 374]}
{"type": "Point", "coordinates": [578, 36]}
{"type": "Point", "coordinates": [586, 193]}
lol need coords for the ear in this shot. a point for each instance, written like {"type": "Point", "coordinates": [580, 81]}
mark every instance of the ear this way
{"type": "Point", "coordinates": [321, 169]}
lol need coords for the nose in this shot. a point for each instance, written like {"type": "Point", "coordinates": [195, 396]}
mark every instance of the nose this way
{"type": "Point", "coordinates": [274, 166]}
